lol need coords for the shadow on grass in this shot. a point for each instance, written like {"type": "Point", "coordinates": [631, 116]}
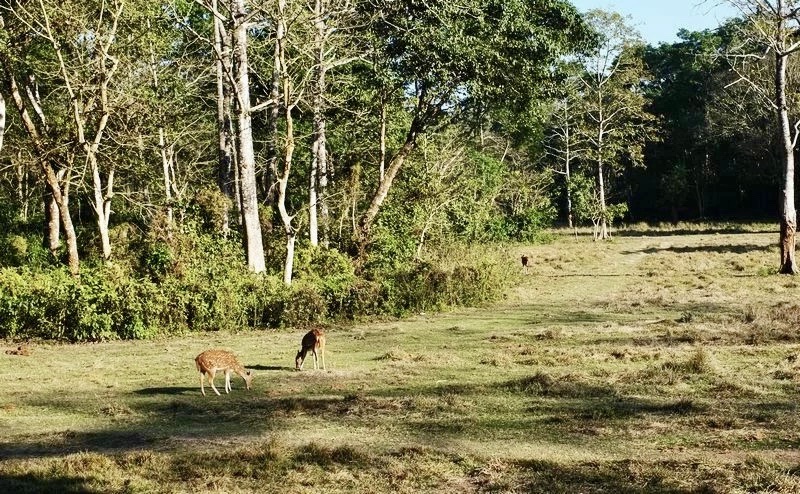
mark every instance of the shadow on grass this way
{"type": "Point", "coordinates": [157, 421]}
{"type": "Point", "coordinates": [21, 484]}
{"type": "Point", "coordinates": [644, 232]}
{"type": "Point", "coordinates": [73, 442]}
{"type": "Point", "coordinates": [714, 249]}
{"type": "Point", "coordinates": [270, 367]}
{"type": "Point", "coordinates": [167, 390]}
{"type": "Point", "coordinates": [623, 477]}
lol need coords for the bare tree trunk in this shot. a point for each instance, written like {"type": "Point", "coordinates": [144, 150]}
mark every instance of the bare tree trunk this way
{"type": "Point", "coordinates": [568, 163]}
{"type": "Point", "coordinates": [166, 166]}
{"type": "Point", "coordinates": [383, 138]}
{"type": "Point", "coordinates": [23, 186]}
{"type": "Point", "coordinates": [247, 160]}
{"type": "Point", "coordinates": [603, 215]}
{"type": "Point", "coordinates": [102, 204]}
{"type": "Point", "coordinates": [2, 120]}
{"type": "Point", "coordinates": [52, 181]}
{"type": "Point", "coordinates": [272, 128]}
{"type": "Point", "coordinates": [600, 179]}
{"type": "Point", "coordinates": [789, 214]}
{"type": "Point", "coordinates": [225, 174]}
{"type": "Point", "coordinates": [391, 172]}
{"type": "Point", "coordinates": [283, 177]}
{"type": "Point", "coordinates": [52, 234]}
{"type": "Point", "coordinates": [319, 148]}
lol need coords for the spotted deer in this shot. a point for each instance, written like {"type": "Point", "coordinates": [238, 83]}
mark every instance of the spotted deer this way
{"type": "Point", "coordinates": [211, 361]}
{"type": "Point", "coordinates": [314, 342]}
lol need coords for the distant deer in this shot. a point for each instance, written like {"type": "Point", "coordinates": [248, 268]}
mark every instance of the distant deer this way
{"type": "Point", "coordinates": [525, 264]}
{"type": "Point", "coordinates": [314, 342]}
{"type": "Point", "coordinates": [211, 361]}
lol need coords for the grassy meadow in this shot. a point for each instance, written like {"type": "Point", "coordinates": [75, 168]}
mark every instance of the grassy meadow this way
{"type": "Point", "coordinates": [658, 362]}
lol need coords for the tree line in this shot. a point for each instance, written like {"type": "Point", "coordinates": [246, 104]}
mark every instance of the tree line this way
{"type": "Point", "coordinates": [378, 128]}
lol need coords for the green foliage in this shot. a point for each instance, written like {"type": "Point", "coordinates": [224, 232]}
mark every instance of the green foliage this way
{"type": "Point", "coordinates": [54, 305]}
{"type": "Point", "coordinates": [196, 282]}
{"type": "Point", "coordinates": [211, 208]}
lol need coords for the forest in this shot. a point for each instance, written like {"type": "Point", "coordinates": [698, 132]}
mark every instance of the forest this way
{"type": "Point", "coordinates": [205, 165]}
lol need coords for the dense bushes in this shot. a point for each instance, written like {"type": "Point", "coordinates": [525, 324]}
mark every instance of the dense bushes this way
{"type": "Point", "coordinates": [198, 283]}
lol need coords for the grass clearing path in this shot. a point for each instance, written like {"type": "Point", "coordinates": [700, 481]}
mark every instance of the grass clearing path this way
{"type": "Point", "coordinates": [651, 363]}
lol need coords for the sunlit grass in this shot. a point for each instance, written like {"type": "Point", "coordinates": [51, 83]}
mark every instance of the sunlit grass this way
{"type": "Point", "coordinates": [661, 361]}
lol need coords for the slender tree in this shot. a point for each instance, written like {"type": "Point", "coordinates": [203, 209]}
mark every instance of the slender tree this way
{"type": "Point", "coordinates": [565, 142]}
{"type": "Point", "coordinates": [773, 29]}
{"type": "Point", "coordinates": [617, 123]}
{"type": "Point", "coordinates": [246, 153]}
{"type": "Point", "coordinates": [2, 119]}
{"type": "Point", "coordinates": [56, 167]}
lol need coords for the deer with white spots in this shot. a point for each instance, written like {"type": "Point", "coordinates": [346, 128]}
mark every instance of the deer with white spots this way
{"type": "Point", "coordinates": [211, 361]}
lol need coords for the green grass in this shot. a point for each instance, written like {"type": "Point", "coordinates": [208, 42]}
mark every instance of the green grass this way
{"type": "Point", "coordinates": [659, 362]}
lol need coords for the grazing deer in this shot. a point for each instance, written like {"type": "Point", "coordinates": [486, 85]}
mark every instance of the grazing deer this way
{"type": "Point", "coordinates": [314, 342]}
{"type": "Point", "coordinates": [525, 264]}
{"type": "Point", "coordinates": [211, 361]}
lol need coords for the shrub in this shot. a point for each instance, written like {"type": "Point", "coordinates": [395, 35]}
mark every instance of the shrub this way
{"type": "Point", "coordinates": [194, 281]}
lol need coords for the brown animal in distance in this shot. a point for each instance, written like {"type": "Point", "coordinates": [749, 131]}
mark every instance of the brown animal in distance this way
{"type": "Point", "coordinates": [21, 350]}
{"type": "Point", "coordinates": [211, 361]}
{"type": "Point", "coordinates": [525, 264]}
{"type": "Point", "coordinates": [314, 342]}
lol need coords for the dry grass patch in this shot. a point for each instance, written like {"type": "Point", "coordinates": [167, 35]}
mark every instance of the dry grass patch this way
{"type": "Point", "coordinates": [662, 364]}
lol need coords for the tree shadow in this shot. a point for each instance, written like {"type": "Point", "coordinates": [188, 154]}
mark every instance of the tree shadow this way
{"type": "Point", "coordinates": [153, 422]}
{"type": "Point", "coordinates": [715, 249]}
{"type": "Point", "coordinates": [646, 232]}
{"type": "Point", "coordinates": [594, 477]}
{"type": "Point", "coordinates": [38, 483]}
{"type": "Point", "coordinates": [167, 390]}
{"type": "Point", "coordinates": [270, 367]}
{"type": "Point", "coordinates": [73, 442]}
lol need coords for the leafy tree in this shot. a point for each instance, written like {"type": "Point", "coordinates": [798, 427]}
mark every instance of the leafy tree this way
{"type": "Point", "coordinates": [772, 28]}
{"type": "Point", "coordinates": [617, 123]}
{"type": "Point", "coordinates": [451, 57]}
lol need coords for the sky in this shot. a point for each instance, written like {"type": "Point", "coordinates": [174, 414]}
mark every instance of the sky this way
{"type": "Point", "coordinates": [659, 20]}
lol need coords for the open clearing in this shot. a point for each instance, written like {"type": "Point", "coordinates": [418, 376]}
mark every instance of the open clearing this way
{"type": "Point", "coordinates": [656, 362]}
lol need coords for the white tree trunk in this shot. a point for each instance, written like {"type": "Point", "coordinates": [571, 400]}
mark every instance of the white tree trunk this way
{"type": "Point", "coordinates": [789, 213]}
{"type": "Point", "coordinates": [2, 120]}
{"type": "Point", "coordinates": [225, 174]}
{"type": "Point", "coordinates": [247, 160]}
{"type": "Point", "coordinates": [52, 180]}
{"type": "Point", "coordinates": [289, 264]}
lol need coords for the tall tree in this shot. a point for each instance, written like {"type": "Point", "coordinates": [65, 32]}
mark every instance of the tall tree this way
{"type": "Point", "coordinates": [226, 176]}
{"type": "Point", "coordinates": [450, 57]}
{"type": "Point", "coordinates": [2, 120]}
{"type": "Point", "coordinates": [246, 153]}
{"type": "Point", "coordinates": [565, 142]}
{"type": "Point", "coordinates": [24, 50]}
{"type": "Point", "coordinates": [686, 78]}
{"type": "Point", "coordinates": [332, 22]}
{"type": "Point", "coordinates": [773, 28]}
{"type": "Point", "coordinates": [617, 123]}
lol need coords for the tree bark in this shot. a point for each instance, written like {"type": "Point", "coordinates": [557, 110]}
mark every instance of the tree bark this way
{"type": "Point", "coordinates": [225, 175]}
{"type": "Point", "coordinates": [247, 160]}
{"type": "Point", "coordinates": [603, 234]}
{"type": "Point", "coordinates": [319, 157]}
{"type": "Point", "coordinates": [52, 234]}
{"type": "Point", "coordinates": [60, 196]}
{"type": "Point", "coordinates": [2, 120]}
{"type": "Point", "coordinates": [283, 176]}
{"type": "Point", "coordinates": [789, 214]}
